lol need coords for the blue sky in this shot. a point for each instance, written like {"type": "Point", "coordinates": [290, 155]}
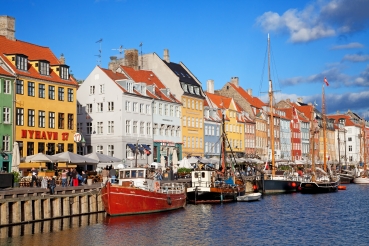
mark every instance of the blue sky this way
{"type": "Point", "coordinates": [218, 40]}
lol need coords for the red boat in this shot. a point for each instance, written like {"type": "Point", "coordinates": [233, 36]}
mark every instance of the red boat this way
{"type": "Point", "coordinates": [137, 193]}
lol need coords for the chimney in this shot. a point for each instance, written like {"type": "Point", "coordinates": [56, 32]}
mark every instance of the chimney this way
{"type": "Point", "coordinates": [210, 86]}
{"type": "Point", "coordinates": [113, 64]}
{"type": "Point", "coordinates": [299, 99]}
{"type": "Point", "coordinates": [249, 91]}
{"type": "Point", "coordinates": [338, 111]}
{"type": "Point", "coordinates": [131, 58]}
{"type": "Point", "coordinates": [7, 27]}
{"type": "Point", "coordinates": [288, 100]}
{"type": "Point", "coordinates": [62, 59]}
{"type": "Point", "coordinates": [234, 80]}
{"type": "Point", "coordinates": [166, 55]}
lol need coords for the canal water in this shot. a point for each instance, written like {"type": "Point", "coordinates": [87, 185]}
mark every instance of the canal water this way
{"type": "Point", "coordinates": [339, 218]}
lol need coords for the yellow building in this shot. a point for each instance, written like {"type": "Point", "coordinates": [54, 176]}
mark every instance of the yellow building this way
{"type": "Point", "coordinates": [234, 122]}
{"type": "Point", "coordinates": [45, 97]}
{"type": "Point", "coordinates": [192, 126]}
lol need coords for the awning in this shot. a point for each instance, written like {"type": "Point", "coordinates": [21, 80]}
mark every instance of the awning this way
{"type": "Point", "coordinates": [132, 147]}
{"type": "Point", "coordinates": [30, 165]}
{"type": "Point", "coordinates": [66, 165]}
{"type": "Point", "coordinates": [141, 149]}
{"type": "Point", "coordinates": [146, 147]}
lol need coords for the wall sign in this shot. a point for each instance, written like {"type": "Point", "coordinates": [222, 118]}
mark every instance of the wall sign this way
{"type": "Point", "coordinates": [46, 135]}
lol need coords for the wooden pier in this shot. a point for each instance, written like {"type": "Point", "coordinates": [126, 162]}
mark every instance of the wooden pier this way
{"type": "Point", "coordinates": [26, 205]}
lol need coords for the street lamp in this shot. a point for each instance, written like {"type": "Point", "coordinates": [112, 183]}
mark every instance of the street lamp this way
{"type": "Point", "coordinates": [83, 144]}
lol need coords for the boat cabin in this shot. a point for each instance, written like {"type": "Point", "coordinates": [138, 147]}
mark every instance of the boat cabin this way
{"type": "Point", "coordinates": [137, 176]}
{"type": "Point", "coordinates": [202, 178]}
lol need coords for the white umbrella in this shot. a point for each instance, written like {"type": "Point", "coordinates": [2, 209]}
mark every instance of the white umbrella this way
{"type": "Point", "coordinates": [175, 157]}
{"type": "Point", "coordinates": [162, 161]}
{"type": "Point", "coordinates": [103, 158]}
{"type": "Point", "coordinates": [75, 158]}
{"type": "Point", "coordinates": [15, 157]}
{"type": "Point", "coordinates": [193, 160]}
{"type": "Point", "coordinates": [41, 157]}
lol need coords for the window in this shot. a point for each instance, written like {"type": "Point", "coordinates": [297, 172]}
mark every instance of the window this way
{"type": "Point", "coordinates": [155, 129]}
{"type": "Point", "coordinates": [79, 127]}
{"type": "Point", "coordinates": [92, 90]}
{"type": "Point", "coordinates": [154, 109]}
{"type": "Point", "coordinates": [142, 128]}
{"type": "Point", "coordinates": [171, 110]}
{"type": "Point", "coordinates": [31, 117]}
{"type": "Point", "coordinates": [200, 123]}
{"type": "Point", "coordinates": [21, 62]}
{"type": "Point", "coordinates": [148, 129]}
{"type": "Point", "coordinates": [184, 102]}
{"type": "Point", "coordinates": [51, 92]}
{"type": "Point", "coordinates": [102, 89]}
{"type": "Point", "coordinates": [60, 93]}
{"type": "Point", "coordinates": [177, 111]}
{"type": "Point", "coordinates": [110, 127]}
{"type": "Point", "coordinates": [61, 120]}
{"type": "Point", "coordinates": [135, 107]}
{"type": "Point", "coordinates": [142, 107]}
{"type": "Point", "coordinates": [349, 139]}
{"type": "Point", "coordinates": [128, 126]}
{"type": "Point", "coordinates": [134, 130]}
{"type": "Point", "coordinates": [193, 122]}
{"type": "Point", "coordinates": [206, 130]}
{"type": "Point", "coordinates": [79, 108]}
{"type": "Point", "coordinates": [64, 72]}
{"type": "Point", "coordinates": [128, 106]}
{"type": "Point", "coordinates": [189, 121]}
{"type": "Point", "coordinates": [70, 121]}
{"type": "Point", "coordinates": [100, 128]}
{"type": "Point", "coordinates": [110, 106]}
{"type": "Point", "coordinates": [89, 127]}
{"type": "Point", "coordinates": [19, 87]}
{"type": "Point", "coordinates": [41, 119]}
{"type": "Point", "coordinates": [200, 105]}
{"type": "Point", "coordinates": [148, 109]}
{"type": "Point", "coordinates": [99, 149]}
{"type": "Point", "coordinates": [197, 123]}
{"type": "Point", "coordinates": [7, 86]}
{"type": "Point", "coordinates": [184, 141]}
{"type": "Point", "coordinates": [193, 104]}
{"type": "Point", "coordinates": [160, 109]}
{"type": "Point", "coordinates": [89, 107]}
{"type": "Point", "coordinates": [111, 150]}
{"type": "Point", "coordinates": [44, 68]}
{"type": "Point", "coordinates": [350, 147]}
{"type": "Point", "coordinates": [6, 143]}
{"type": "Point", "coordinates": [6, 115]}
{"type": "Point", "coordinates": [51, 119]}
{"type": "Point", "coordinates": [70, 95]}
{"type": "Point", "coordinates": [184, 120]}
{"type": "Point", "coordinates": [166, 109]}
{"type": "Point", "coordinates": [19, 116]}
{"type": "Point", "coordinates": [100, 107]}
{"type": "Point", "coordinates": [41, 91]}
{"type": "Point", "coordinates": [197, 105]}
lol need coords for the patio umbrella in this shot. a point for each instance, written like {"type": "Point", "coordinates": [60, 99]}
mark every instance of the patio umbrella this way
{"type": "Point", "coordinates": [16, 157]}
{"type": "Point", "coordinates": [175, 157]}
{"type": "Point", "coordinates": [162, 160]}
{"type": "Point", "coordinates": [41, 157]}
{"type": "Point", "coordinates": [193, 160]}
{"type": "Point", "coordinates": [103, 158]}
{"type": "Point", "coordinates": [75, 158]}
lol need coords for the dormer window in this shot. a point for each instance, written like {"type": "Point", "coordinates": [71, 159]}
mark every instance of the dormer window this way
{"type": "Point", "coordinates": [64, 72]}
{"type": "Point", "coordinates": [191, 89]}
{"type": "Point", "coordinates": [129, 87]}
{"type": "Point", "coordinates": [44, 68]}
{"type": "Point", "coordinates": [207, 113]}
{"type": "Point", "coordinates": [184, 87]}
{"type": "Point", "coordinates": [21, 62]}
{"type": "Point", "coordinates": [197, 90]}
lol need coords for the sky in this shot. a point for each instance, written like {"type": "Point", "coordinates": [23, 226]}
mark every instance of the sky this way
{"type": "Point", "coordinates": [217, 39]}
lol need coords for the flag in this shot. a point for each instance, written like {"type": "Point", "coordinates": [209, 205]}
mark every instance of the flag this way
{"type": "Point", "coordinates": [326, 81]}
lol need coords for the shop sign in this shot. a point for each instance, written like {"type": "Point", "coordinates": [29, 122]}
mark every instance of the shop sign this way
{"type": "Point", "coordinates": [46, 135]}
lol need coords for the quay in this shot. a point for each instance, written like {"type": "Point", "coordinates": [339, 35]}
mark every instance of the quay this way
{"type": "Point", "coordinates": [34, 204]}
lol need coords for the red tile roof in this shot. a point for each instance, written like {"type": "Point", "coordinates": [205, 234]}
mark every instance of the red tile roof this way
{"type": "Point", "coordinates": [34, 53]}
{"type": "Point", "coordinates": [254, 101]}
{"type": "Point", "coordinates": [219, 101]}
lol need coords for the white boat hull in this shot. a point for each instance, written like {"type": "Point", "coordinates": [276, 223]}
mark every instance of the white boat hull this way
{"type": "Point", "coordinates": [249, 197]}
{"type": "Point", "coordinates": [361, 180]}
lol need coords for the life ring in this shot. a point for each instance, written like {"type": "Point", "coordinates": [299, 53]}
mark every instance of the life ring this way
{"type": "Point", "coordinates": [157, 186]}
{"type": "Point", "coordinates": [169, 200]}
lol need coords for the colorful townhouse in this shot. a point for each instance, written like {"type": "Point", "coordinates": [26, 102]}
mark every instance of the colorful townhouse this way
{"type": "Point", "coordinates": [166, 116]}
{"type": "Point", "coordinates": [45, 95]}
{"type": "Point", "coordinates": [285, 133]}
{"type": "Point", "coordinates": [115, 116]}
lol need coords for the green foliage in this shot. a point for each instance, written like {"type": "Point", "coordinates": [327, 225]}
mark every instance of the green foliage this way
{"type": "Point", "coordinates": [184, 170]}
{"type": "Point", "coordinates": [16, 177]}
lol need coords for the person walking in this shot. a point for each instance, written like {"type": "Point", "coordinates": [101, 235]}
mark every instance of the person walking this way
{"type": "Point", "coordinates": [74, 177]}
{"type": "Point", "coordinates": [112, 174]}
{"type": "Point", "coordinates": [105, 175]}
{"type": "Point", "coordinates": [52, 185]}
{"type": "Point", "coordinates": [34, 173]}
{"type": "Point", "coordinates": [84, 177]}
{"type": "Point", "coordinates": [64, 178]}
{"type": "Point", "coordinates": [70, 174]}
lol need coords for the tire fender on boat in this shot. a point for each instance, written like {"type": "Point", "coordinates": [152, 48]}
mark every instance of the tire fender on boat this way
{"type": "Point", "coordinates": [169, 200]}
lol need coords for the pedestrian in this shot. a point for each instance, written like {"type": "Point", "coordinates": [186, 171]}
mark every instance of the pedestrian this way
{"type": "Point", "coordinates": [34, 173]}
{"type": "Point", "coordinates": [52, 185]}
{"type": "Point", "coordinates": [64, 178]}
{"type": "Point", "coordinates": [84, 177]}
{"type": "Point", "coordinates": [75, 177]}
{"type": "Point", "coordinates": [105, 174]}
{"type": "Point", "coordinates": [44, 182]}
{"type": "Point", "coordinates": [70, 177]}
{"type": "Point", "coordinates": [112, 174]}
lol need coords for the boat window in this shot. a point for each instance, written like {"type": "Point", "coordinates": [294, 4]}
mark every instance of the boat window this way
{"type": "Point", "coordinates": [140, 173]}
{"type": "Point", "coordinates": [134, 174]}
{"type": "Point", "coordinates": [203, 174]}
{"type": "Point", "coordinates": [121, 174]}
{"type": "Point", "coordinates": [196, 175]}
{"type": "Point", "coordinates": [127, 175]}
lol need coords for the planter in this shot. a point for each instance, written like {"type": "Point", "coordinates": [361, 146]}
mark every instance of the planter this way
{"type": "Point", "coordinates": [89, 181]}
{"type": "Point", "coordinates": [15, 184]}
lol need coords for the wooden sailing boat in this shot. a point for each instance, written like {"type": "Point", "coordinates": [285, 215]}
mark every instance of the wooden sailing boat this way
{"type": "Point", "coordinates": [326, 181]}
{"type": "Point", "coordinates": [274, 183]}
{"type": "Point", "coordinates": [215, 186]}
{"type": "Point", "coordinates": [363, 179]}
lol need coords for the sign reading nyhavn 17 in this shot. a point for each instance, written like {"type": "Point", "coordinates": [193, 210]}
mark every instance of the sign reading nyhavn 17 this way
{"type": "Point", "coordinates": [31, 134]}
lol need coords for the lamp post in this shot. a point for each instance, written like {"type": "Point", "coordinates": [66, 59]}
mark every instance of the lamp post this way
{"type": "Point", "coordinates": [83, 144]}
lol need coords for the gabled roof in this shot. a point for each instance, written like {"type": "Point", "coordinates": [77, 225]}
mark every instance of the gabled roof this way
{"type": "Point", "coordinates": [181, 73]}
{"type": "Point", "coordinates": [221, 102]}
{"type": "Point", "coordinates": [4, 72]}
{"type": "Point", "coordinates": [34, 53]}
{"type": "Point", "coordinates": [254, 101]}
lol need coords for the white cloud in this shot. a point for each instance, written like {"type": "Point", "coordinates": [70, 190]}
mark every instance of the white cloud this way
{"type": "Point", "coordinates": [354, 45]}
{"type": "Point", "coordinates": [356, 58]}
{"type": "Point", "coordinates": [320, 19]}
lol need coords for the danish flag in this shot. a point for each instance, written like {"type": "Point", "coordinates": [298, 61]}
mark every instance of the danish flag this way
{"type": "Point", "coordinates": [326, 81]}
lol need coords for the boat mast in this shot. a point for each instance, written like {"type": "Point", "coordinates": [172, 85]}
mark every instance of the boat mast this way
{"type": "Point", "coordinates": [223, 157]}
{"type": "Point", "coordinates": [363, 134]}
{"type": "Point", "coordinates": [271, 110]}
{"type": "Point", "coordinates": [324, 130]}
{"type": "Point", "coordinates": [312, 139]}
